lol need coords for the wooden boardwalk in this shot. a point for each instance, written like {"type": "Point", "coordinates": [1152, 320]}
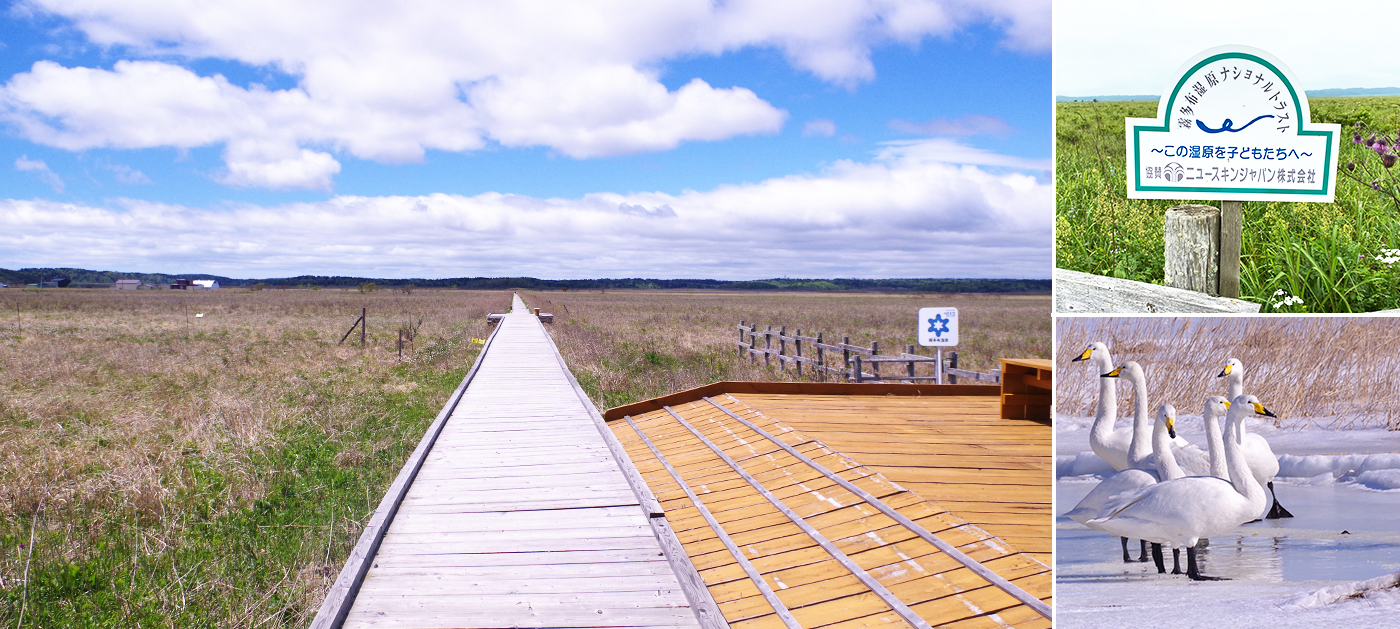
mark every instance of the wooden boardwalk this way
{"type": "Point", "coordinates": [788, 531]}
{"type": "Point", "coordinates": [520, 513]}
{"type": "Point", "coordinates": [953, 451]}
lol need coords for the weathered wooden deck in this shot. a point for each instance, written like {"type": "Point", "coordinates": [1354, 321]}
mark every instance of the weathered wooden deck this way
{"type": "Point", "coordinates": [791, 531]}
{"type": "Point", "coordinates": [516, 512]}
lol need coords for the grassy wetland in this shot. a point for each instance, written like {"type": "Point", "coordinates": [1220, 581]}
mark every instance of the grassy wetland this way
{"type": "Point", "coordinates": [159, 468]}
{"type": "Point", "coordinates": [626, 346]}
{"type": "Point", "coordinates": [1335, 257]}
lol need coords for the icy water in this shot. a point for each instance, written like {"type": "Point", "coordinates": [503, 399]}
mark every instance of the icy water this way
{"type": "Point", "coordinates": [1343, 531]}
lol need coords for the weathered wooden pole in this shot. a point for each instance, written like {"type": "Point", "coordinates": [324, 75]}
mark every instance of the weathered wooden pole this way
{"type": "Point", "coordinates": [875, 366]}
{"type": "Point", "coordinates": [1193, 249]}
{"type": "Point", "coordinates": [1231, 243]}
{"type": "Point", "coordinates": [364, 323]}
{"type": "Point", "coordinates": [798, 342]}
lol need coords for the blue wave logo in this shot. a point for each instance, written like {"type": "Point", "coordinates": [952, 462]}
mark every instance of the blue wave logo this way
{"type": "Point", "coordinates": [1229, 125]}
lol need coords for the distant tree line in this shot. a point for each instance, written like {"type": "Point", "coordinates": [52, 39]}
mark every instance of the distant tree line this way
{"type": "Point", "coordinates": [36, 275]}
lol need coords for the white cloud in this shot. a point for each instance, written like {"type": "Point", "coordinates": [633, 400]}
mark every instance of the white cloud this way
{"type": "Point", "coordinates": [964, 126]}
{"type": "Point", "coordinates": [46, 174]}
{"type": "Point", "coordinates": [127, 174]}
{"type": "Point", "coordinates": [919, 209]}
{"type": "Point", "coordinates": [382, 82]}
{"type": "Point", "coordinates": [820, 127]}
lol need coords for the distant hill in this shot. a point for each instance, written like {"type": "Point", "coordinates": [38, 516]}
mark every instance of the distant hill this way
{"type": "Point", "coordinates": [913, 285]}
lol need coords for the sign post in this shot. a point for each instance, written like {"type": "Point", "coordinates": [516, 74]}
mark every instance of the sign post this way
{"type": "Point", "coordinates": [938, 327]}
{"type": "Point", "coordinates": [1232, 127]}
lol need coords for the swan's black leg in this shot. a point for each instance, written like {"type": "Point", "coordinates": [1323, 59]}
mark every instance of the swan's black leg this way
{"type": "Point", "coordinates": [1157, 557]}
{"type": "Point", "coordinates": [1193, 572]}
{"type": "Point", "coordinates": [1126, 557]}
{"type": "Point", "coordinates": [1142, 557]}
{"type": "Point", "coordinates": [1176, 561]}
{"type": "Point", "coordinates": [1277, 511]}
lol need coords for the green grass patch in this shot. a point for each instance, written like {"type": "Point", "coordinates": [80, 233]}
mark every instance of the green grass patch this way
{"type": "Point", "coordinates": [1327, 254]}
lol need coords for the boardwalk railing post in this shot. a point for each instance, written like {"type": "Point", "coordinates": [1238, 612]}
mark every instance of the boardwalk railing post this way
{"type": "Point", "coordinates": [909, 349]}
{"type": "Point", "coordinates": [782, 348]}
{"type": "Point", "coordinates": [875, 366]}
{"type": "Point", "coordinates": [953, 364]}
{"type": "Point", "coordinates": [821, 356]}
{"type": "Point", "coordinates": [799, 352]}
{"type": "Point", "coordinates": [846, 355]}
{"type": "Point", "coordinates": [858, 373]}
{"type": "Point", "coordinates": [767, 346]}
{"type": "Point", "coordinates": [741, 338]}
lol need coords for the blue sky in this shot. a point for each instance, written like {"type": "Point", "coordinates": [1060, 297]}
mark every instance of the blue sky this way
{"type": "Point", "coordinates": [736, 141]}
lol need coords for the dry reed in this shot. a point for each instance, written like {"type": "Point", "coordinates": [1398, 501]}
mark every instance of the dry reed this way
{"type": "Point", "coordinates": [1331, 372]}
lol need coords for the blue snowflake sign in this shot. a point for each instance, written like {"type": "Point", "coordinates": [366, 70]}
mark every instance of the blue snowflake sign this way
{"type": "Point", "coordinates": [1233, 125]}
{"type": "Point", "coordinates": [938, 327]}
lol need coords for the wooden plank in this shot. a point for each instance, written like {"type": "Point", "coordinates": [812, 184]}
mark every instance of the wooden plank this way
{"type": "Point", "coordinates": [879, 590]}
{"type": "Point", "coordinates": [923, 533]}
{"type": "Point", "coordinates": [738, 556]}
{"type": "Point", "coordinates": [1081, 293]}
{"type": "Point", "coordinates": [341, 597]}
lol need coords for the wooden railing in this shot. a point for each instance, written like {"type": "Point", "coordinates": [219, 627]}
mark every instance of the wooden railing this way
{"type": "Point", "coordinates": [857, 364]}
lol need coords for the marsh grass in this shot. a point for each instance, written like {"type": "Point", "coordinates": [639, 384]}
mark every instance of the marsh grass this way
{"type": "Point", "coordinates": [177, 470]}
{"type": "Point", "coordinates": [627, 346]}
{"type": "Point", "coordinates": [1324, 253]}
{"type": "Point", "coordinates": [1330, 372]}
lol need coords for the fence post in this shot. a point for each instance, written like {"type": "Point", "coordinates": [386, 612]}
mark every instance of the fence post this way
{"type": "Point", "coordinates": [400, 343]}
{"type": "Point", "coordinates": [798, 342]}
{"type": "Point", "coordinates": [767, 345]}
{"type": "Point", "coordinates": [858, 374]}
{"type": "Point", "coordinates": [364, 323]}
{"type": "Point", "coordinates": [874, 366]}
{"type": "Point", "coordinates": [909, 349]}
{"type": "Point", "coordinates": [741, 338]}
{"type": "Point", "coordinates": [953, 363]}
{"type": "Point", "coordinates": [845, 354]}
{"type": "Point", "coordinates": [782, 348]}
{"type": "Point", "coordinates": [821, 356]}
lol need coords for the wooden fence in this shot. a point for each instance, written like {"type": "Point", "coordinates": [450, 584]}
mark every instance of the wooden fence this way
{"type": "Point", "coordinates": [857, 364]}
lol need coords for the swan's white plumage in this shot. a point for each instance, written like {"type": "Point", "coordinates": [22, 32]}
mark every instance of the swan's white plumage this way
{"type": "Point", "coordinates": [1182, 511]}
{"type": "Point", "coordinates": [1211, 461]}
{"type": "Point", "coordinates": [1263, 463]}
{"type": "Point", "coordinates": [1131, 480]}
{"type": "Point", "coordinates": [1111, 445]}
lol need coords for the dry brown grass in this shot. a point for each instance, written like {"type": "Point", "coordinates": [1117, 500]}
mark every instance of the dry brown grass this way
{"type": "Point", "coordinates": [626, 346]}
{"type": "Point", "coordinates": [116, 407]}
{"type": "Point", "coordinates": [1327, 371]}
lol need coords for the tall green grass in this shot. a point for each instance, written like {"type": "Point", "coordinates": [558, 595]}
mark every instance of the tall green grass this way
{"type": "Point", "coordinates": [1324, 253]}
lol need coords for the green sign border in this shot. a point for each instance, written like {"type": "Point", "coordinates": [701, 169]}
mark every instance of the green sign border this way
{"type": "Point", "coordinates": [1165, 114]}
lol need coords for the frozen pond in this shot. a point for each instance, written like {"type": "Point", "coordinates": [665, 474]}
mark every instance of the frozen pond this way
{"type": "Point", "coordinates": [1346, 528]}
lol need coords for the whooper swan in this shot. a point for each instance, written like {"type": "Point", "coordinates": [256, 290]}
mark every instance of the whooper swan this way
{"type": "Point", "coordinates": [1182, 511]}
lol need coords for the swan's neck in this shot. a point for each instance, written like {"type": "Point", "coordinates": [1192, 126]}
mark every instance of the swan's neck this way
{"type": "Point", "coordinates": [1167, 469]}
{"type": "Point", "coordinates": [1140, 448]}
{"type": "Point", "coordinates": [1215, 445]}
{"type": "Point", "coordinates": [1236, 385]}
{"type": "Point", "coordinates": [1107, 412]}
{"type": "Point", "coordinates": [1240, 476]}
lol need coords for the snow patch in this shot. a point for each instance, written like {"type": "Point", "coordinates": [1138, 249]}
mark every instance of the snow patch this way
{"type": "Point", "coordinates": [1383, 590]}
